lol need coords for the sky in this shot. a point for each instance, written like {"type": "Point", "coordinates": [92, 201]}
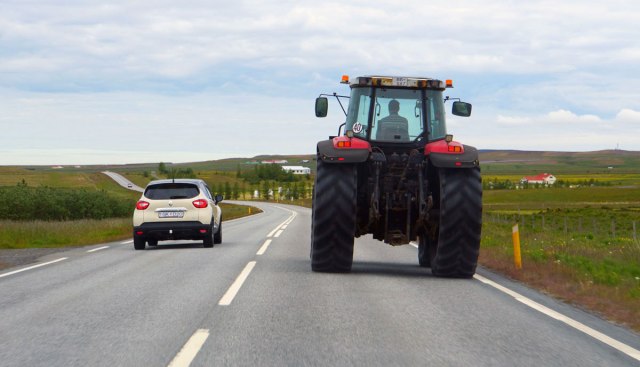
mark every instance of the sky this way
{"type": "Point", "coordinates": [95, 82]}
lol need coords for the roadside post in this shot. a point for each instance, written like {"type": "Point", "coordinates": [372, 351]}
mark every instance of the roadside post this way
{"type": "Point", "coordinates": [517, 257]}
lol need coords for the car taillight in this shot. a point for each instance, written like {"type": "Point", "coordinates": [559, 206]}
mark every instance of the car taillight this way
{"type": "Point", "coordinates": [142, 205]}
{"type": "Point", "coordinates": [200, 203]}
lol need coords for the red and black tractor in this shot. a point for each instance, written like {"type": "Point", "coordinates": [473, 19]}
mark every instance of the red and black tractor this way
{"type": "Point", "coordinates": [395, 173]}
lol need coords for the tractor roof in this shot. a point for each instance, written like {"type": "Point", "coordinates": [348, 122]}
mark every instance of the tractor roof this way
{"type": "Point", "coordinates": [397, 81]}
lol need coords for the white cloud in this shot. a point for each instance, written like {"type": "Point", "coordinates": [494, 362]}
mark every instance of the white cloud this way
{"type": "Point", "coordinates": [568, 117]}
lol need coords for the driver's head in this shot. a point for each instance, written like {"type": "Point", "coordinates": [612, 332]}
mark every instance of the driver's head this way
{"type": "Point", "coordinates": [394, 106]}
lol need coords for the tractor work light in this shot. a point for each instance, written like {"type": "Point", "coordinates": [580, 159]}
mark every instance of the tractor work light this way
{"type": "Point", "coordinates": [448, 138]}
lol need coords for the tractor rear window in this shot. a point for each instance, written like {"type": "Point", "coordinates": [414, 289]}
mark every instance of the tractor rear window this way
{"type": "Point", "coordinates": [172, 191]}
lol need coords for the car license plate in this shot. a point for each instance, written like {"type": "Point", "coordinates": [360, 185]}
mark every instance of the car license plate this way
{"type": "Point", "coordinates": [170, 214]}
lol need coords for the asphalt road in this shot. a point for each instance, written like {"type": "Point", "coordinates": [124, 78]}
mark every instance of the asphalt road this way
{"type": "Point", "coordinates": [253, 301]}
{"type": "Point", "coordinates": [123, 181]}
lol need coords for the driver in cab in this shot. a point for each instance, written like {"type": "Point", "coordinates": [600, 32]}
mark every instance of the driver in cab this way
{"type": "Point", "coordinates": [393, 127]}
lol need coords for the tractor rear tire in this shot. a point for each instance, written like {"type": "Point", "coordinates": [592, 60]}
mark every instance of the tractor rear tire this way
{"type": "Point", "coordinates": [458, 235]}
{"type": "Point", "coordinates": [425, 243]}
{"type": "Point", "coordinates": [333, 217]}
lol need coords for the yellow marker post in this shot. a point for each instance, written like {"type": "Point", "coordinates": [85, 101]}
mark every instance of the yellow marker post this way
{"type": "Point", "coordinates": [517, 257]}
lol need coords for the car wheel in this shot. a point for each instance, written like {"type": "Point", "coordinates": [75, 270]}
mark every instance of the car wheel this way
{"type": "Point", "coordinates": [138, 243]}
{"type": "Point", "coordinates": [208, 241]}
{"type": "Point", "coordinates": [217, 238]}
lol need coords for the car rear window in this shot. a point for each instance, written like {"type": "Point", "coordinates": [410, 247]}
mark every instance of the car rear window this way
{"type": "Point", "coordinates": [171, 191]}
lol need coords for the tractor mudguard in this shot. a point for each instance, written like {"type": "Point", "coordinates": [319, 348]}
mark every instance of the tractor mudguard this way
{"type": "Point", "coordinates": [467, 159]}
{"type": "Point", "coordinates": [356, 153]}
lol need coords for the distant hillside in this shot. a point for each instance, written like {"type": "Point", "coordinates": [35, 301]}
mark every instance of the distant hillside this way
{"type": "Point", "coordinates": [518, 161]}
{"type": "Point", "coordinates": [492, 162]}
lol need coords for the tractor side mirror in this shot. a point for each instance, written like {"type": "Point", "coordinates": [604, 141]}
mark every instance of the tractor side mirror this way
{"type": "Point", "coordinates": [461, 109]}
{"type": "Point", "coordinates": [322, 105]}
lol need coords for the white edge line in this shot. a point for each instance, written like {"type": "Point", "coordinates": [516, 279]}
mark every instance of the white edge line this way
{"type": "Point", "coordinates": [264, 247]}
{"type": "Point", "coordinates": [126, 242]}
{"type": "Point", "coordinates": [32, 267]}
{"type": "Point", "coordinates": [98, 249]}
{"type": "Point", "coordinates": [190, 349]}
{"type": "Point", "coordinates": [237, 284]}
{"type": "Point", "coordinates": [633, 353]}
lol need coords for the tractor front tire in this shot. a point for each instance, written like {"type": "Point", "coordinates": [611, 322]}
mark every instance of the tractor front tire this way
{"type": "Point", "coordinates": [333, 217]}
{"type": "Point", "coordinates": [460, 225]}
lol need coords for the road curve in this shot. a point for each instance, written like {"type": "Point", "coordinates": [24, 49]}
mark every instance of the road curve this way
{"type": "Point", "coordinates": [123, 181]}
{"type": "Point", "coordinates": [253, 300]}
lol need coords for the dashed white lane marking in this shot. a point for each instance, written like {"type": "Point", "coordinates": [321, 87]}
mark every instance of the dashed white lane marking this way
{"type": "Point", "coordinates": [633, 353]}
{"type": "Point", "coordinates": [98, 249]}
{"type": "Point", "coordinates": [126, 242]}
{"type": "Point", "coordinates": [285, 223]}
{"type": "Point", "coordinates": [237, 284]}
{"type": "Point", "coordinates": [190, 349]}
{"type": "Point", "coordinates": [264, 247]}
{"type": "Point", "coordinates": [278, 233]}
{"type": "Point", "coordinates": [32, 267]}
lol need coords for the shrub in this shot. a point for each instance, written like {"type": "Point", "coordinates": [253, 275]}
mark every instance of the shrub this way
{"type": "Point", "coordinates": [22, 202]}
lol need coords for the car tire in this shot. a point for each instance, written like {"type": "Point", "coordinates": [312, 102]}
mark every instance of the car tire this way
{"type": "Point", "coordinates": [217, 238]}
{"type": "Point", "coordinates": [208, 242]}
{"type": "Point", "coordinates": [138, 243]}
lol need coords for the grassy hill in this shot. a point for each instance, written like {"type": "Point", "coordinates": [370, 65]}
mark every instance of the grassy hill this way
{"type": "Point", "coordinates": [504, 162]}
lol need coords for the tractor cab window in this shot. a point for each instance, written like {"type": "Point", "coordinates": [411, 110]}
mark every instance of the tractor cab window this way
{"type": "Point", "coordinates": [435, 106]}
{"type": "Point", "coordinates": [397, 114]}
{"type": "Point", "coordinates": [358, 113]}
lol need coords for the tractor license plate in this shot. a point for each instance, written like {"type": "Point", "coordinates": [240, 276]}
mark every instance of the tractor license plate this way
{"type": "Point", "coordinates": [170, 214]}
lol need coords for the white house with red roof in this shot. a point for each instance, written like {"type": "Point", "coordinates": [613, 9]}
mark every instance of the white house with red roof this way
{"type": "Point", "coordinates": [542, 179]}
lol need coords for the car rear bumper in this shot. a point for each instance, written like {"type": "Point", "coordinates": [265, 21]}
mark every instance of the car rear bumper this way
{"type": "Point", "coordinates": [172, 231]}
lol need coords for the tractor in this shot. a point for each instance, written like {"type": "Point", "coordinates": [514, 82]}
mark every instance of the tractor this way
{"type": "Point", "coordinates": [395, 173]}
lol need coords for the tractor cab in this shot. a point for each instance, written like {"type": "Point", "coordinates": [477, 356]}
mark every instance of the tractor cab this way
{"type": "Point", "coordinates": [387, 111]}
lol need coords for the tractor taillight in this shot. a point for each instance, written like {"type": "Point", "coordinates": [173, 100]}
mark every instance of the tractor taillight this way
{"type": "Point", "coordinates": [200, 203]}
{"type": "Point", "coordinates": [455, 149]}
{"type": "Point", "coordinates": [142, 205]}
{"type": "Point", "coordinates": [344, 144]}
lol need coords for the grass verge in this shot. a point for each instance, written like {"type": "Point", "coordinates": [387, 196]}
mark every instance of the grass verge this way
{"type": "Point", "coordinates": [594, 270]}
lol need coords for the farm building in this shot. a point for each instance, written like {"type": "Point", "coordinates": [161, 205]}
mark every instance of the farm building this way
{"type": "Point", "coordinates": [297, 170]}
{"type": "Point", "coordinates": [542, 179]}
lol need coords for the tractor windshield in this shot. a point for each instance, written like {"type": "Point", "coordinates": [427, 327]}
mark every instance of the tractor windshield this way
{"type": "Point", "coordinates": [398, 114]}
